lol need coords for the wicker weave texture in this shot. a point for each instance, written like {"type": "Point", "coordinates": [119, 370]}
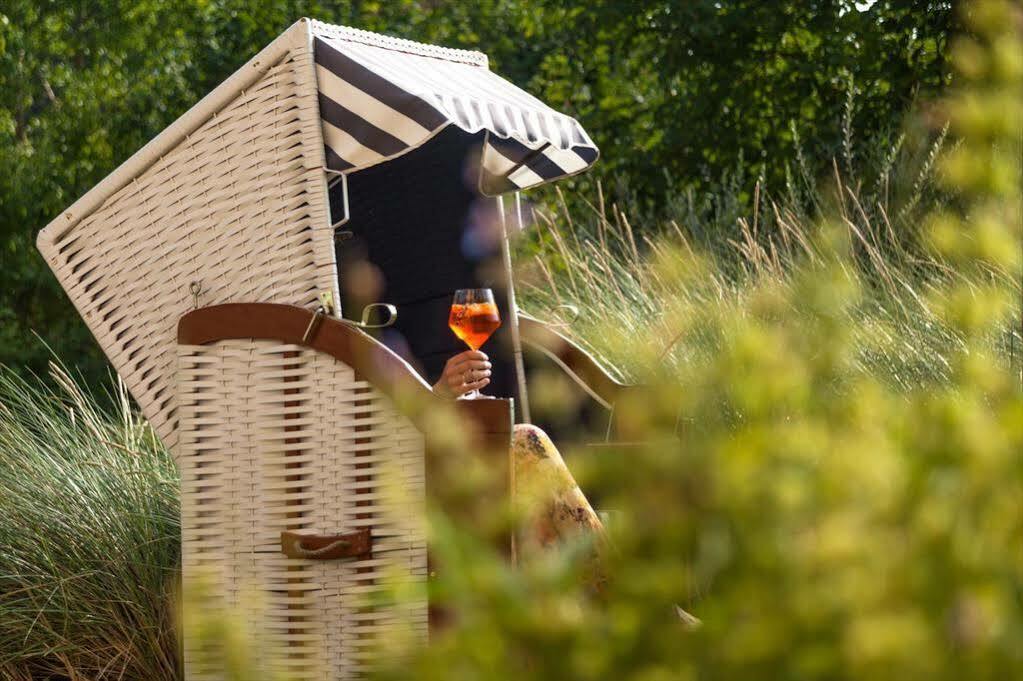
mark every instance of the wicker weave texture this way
{"type": "Point", "coordinates": [278, 437]}
{"type": "Point", "coordinates": [238, 207]}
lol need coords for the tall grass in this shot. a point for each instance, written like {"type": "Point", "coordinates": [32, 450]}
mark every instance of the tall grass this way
{"type": "Point", "coordinates": [592, 265]}
{"type": "Point", "coordinates": [89, 536]}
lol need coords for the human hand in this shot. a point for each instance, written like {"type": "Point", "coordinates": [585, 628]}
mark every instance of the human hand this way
{"type": "Point", "coordinates": [466, 371]}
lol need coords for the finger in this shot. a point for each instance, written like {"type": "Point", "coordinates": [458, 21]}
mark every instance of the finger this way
{"type": "Point", "coordinates": [473, 386]}
{"type": "Point", "coordinates": [471, 355]}
{"type": "Point", "coordinates": [471, 365]}
{"type": "Point", "coordinates": [468, 356]}
{"type": "Point", "coordinates": [471, 375]}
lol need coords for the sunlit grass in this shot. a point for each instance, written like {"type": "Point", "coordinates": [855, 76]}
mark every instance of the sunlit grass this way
{"type": "Point", "coordinates": [89, 539]}
{"type": "Point", "coordinates": [591, 268]}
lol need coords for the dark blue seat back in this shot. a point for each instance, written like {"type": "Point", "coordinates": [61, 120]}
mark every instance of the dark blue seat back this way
{"type": "Point", "coordinates": [418, 230]}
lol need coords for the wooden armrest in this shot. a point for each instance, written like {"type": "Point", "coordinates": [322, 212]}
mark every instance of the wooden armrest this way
{"type": "Point", "coordinates": [578, 363]}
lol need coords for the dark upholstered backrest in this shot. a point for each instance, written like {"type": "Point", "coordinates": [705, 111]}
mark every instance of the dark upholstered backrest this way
{"type": "Point", "coordinates": [419, 230]}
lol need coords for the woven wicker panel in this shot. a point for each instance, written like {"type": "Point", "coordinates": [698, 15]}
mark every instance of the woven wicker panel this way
{"type": "Point", "coordinates": [239, 206]}
{"type": "Point", "coordinates": [278, 437]}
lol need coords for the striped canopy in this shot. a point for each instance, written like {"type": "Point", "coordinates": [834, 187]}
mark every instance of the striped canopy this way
{"type": "Point", "coordinates": [381, 97]}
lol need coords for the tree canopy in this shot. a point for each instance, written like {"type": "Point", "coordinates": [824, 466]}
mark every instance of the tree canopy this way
{"type": "Point", "coordinates": [674, 93]}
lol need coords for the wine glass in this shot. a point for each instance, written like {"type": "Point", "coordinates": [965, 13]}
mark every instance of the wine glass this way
{"type": "Point", "coordinates": [473, 318]}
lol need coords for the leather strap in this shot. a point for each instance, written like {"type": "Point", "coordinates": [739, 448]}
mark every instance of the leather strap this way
{"type": "Point", "coordinates": [326, 546]}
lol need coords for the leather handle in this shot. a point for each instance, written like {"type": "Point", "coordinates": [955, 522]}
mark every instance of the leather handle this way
{"type": "Point", "coordinates": [326, 546]}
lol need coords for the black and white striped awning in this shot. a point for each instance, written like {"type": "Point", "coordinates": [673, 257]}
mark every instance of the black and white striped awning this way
{"type": "Point", "coordinates": [381, 97]}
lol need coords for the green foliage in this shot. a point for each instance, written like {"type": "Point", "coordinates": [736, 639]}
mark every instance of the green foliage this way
{"type": "Point", "coordinates": [223, 644]}
{"type": "Point", "coordinates": [826, 472]}
{"type": "Point", "coordinates": [594, 260]}
{"type": "Point", "coordinates": [674, 93]}
{"type": "Point", "coordinates": [80, 84]}
{"type": "Point", "coordinates": [89, 537]}
{"type": "Point", "coordinates": [821, 523]}
{"type": "Point", "coordinates": [689, 88]}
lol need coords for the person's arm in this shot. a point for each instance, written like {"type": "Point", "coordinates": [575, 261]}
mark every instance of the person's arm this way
{"type": "Point", "coordinates": [469, 370]}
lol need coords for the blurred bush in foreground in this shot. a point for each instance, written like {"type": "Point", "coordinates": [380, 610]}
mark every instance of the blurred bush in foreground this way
{"type": "Point", "coordinates": [823, 522]}
{"type": "Point", "coordinates": [89, 536]}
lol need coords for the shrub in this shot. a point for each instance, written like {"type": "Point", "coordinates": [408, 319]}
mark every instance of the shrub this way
{"type": "Point", "coordinates": [825, 514]}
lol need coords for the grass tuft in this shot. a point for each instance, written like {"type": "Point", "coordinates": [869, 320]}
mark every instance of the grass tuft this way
{"type": "Point", "coordinates": [89, 536]}
{"type": "Point", "coordinates": [595, 261]}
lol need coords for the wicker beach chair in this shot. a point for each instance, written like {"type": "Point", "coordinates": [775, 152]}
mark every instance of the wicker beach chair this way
{"type": "Point", "coordinates": [206, 266]}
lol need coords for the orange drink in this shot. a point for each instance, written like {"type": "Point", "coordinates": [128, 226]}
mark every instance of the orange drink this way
{"type": "Point", "coordinates": [474, 322]}
{"type": "Point", "coordinates": [473, 318]}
